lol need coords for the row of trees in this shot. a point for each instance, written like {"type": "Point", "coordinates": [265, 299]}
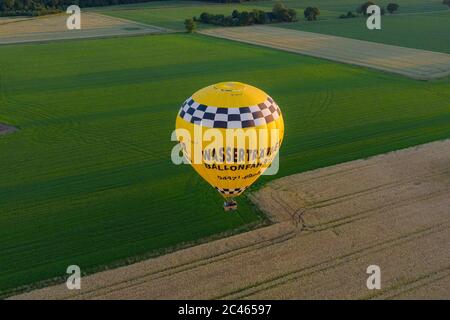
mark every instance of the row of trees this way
{"type": "Point", "coordinates": [279, 13]}
{"type": "Point", "coordinates": [40, 7]}
{"type": "Point", "coordinates": [362, 10]}
{"type": "Point", "coordinates": [311, 13]}
{"type": "Point", "coordinates": [26, 7]}
{"type": "Point", "coordinates": [391, 8]}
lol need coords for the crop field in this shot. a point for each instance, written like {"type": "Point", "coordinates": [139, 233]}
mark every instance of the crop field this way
{"type": "Point", "coordinates": [172, 15]}
{"type": "Point", "coordinates": [329, 225]}
{"type": "Point", "coordinates": [342, 6]}
{"type": "Point", "coordinates": [427, 29]}
{"type": "Point", "coordinates": [413, 63]}
{"type": "Point", "coordinates": [53, 27]}
{"type": "Point", "coordinates": [423, 19]}
{"type": "Point", "coordinates": [87, 179]}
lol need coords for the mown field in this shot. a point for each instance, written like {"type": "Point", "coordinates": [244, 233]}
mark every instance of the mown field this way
{"type": "Point", "coordinates": [418, 24]}
{"type": "Point", "coordinates": [88, 178]}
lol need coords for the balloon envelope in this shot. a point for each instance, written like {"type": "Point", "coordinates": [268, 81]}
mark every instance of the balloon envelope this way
{"type": "Point", "coordinates": [230, 132]}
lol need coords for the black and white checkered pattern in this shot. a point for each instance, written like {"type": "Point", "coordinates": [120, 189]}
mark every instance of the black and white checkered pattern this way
{"type": "Point", "coordinates": [231, 192]}
{"type": "Point", "coordinates": [230, 118]}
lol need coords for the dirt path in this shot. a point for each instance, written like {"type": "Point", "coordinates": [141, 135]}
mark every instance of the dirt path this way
{"type": "Point", "coordinates": [331, 224]}
{"type": "Point", "coordinates": [53, 27]}
{"type": "Point", "coordinates": [413, 63]}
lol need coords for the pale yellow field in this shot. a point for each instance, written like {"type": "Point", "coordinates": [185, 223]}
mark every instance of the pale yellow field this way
{"type": "Point", "coordinates": [413, 63]}
{"type": "Point", "coordinates": [329, 226]}
{"type": "Point", "coordinates": [53, 27]}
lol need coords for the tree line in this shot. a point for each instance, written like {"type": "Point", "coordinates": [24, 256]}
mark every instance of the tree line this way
{"type": "Point", "coordinates": [279, 13]}
{"type": "Point", "coordinates": [362, 10]}
{"type": "Point", "coordinates": [42, 7]}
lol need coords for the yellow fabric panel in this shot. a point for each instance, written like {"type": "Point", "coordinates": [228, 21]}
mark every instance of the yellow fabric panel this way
{"type": "Point", "coordinates": [230, 95]}
{"type": "Point", "coordinates": [223, 175]}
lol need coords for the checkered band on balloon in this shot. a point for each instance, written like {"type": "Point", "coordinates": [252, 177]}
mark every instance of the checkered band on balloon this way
{"type": "Point", "coordinates": [230, 118]}
{"type": "Point", "coordinates": [230, 192]}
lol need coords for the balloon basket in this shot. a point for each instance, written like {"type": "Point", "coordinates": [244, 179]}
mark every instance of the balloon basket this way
{"type": "Point", "coordinates": [229, 205]}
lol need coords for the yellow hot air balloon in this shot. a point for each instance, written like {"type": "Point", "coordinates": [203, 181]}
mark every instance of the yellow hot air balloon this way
{"type": "Point", "coordinates": [230, 133]}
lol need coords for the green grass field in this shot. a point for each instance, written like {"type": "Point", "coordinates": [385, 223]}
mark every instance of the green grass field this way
{"type": "Point", "coordinates": [342, 6]}
{"type": "Point", "coordinates": [418, 24]}
{"type": "Point", "coordinates": [88, 179]}
{"type": "Point", "coordinates": [173, 14]}
{"type": "Point", "coordinates": [420, 31]}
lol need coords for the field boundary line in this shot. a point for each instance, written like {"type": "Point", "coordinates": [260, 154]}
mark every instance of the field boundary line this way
{"type": "Point", "coordinates": [113, 28]}
{"type": "Point", "coordinates": [162, 29]}
{"type": "Point", "coordinates": [143, 279]}
{"type": "Point", "coordinates": [414, 73]}
{"type": "Point", "coordinates": [285, 234]}
{"type": "Point", "coordinates": [93, 37]}
{"type": "Point", "coordinates": [130, 283]}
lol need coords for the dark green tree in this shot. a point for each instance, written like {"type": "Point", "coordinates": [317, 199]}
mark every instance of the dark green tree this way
{"type": "Point", "coordinates": [292, 14]}
{"type": "Point", "coordinates": [311, 13]}
{"type": "Point", "coordinates": [244, 18]}
{"type": "Point", "coordinates": [392, 7]}
{"type": "Point", "coordinates": [205, 17]}
{"type": "Point", "coordinates": [259, 16]}
{"type": "Point", "coordinates": [283, 14]}
{"type": "Point", "coordinates": [190, 25]}
{"type": "Point", "coordinates": [362, 9]}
